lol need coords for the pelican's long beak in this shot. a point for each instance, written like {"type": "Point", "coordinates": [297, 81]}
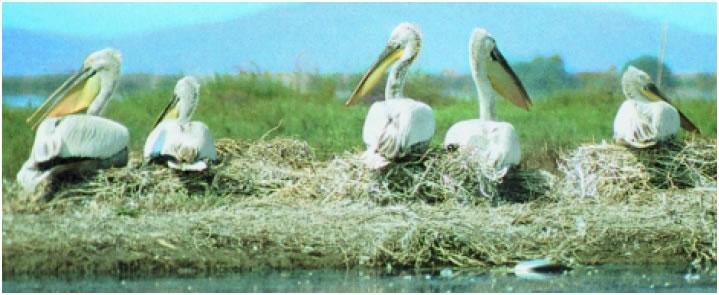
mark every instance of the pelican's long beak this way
{"type": "Point", "coordinates": [73, 96]}
{"type": "Point", "coordinates": [505, 81]}
{"type": "Point", "coordinates": [170, 111]}
{"type": "Point", "coordinates": [652, 92]}
{"type": "Point", "coordinates": [390, 54]}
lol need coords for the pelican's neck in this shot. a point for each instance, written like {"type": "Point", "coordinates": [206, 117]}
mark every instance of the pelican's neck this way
{"type": "Point", "coordinates": [108, 82]}
{"type": "Point", "coordinates": [398, 74]}
{"type": "Point", "coordinates": [182, 120]}
{"type": "Point", "coordinates": [485, 92]}
{"type": "Point", "coordinates": [185, 108]}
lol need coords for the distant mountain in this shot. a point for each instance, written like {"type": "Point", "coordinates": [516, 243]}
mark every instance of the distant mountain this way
{"type": "Point", "coordinates": [337, 37]}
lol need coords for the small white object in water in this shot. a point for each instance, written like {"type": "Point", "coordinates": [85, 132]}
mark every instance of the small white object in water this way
{"type": "Point", "coordinates": [534, 269]}
{"type": "Point", "coordinates": [445, 273]}
{"type": "Point", "coordinates": [691, 277]}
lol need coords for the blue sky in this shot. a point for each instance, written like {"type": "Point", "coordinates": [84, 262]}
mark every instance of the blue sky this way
{"type": "Point", "coordinates": [102, 19]}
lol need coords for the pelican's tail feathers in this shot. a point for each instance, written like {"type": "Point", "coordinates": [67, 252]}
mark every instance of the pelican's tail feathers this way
{"type": "Point", "coordinates": [374, 160]}
{"type": "Point", "coordinates": [200, 165]}
{"type": "Point", "coordinates": [394, 141]}
{"type": "Point", "coordinates": [29, 176]}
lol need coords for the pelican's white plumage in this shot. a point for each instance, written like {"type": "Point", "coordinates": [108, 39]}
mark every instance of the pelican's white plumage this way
{"type": "Point", "coordinates": [177, 142]}
{"type": "Point", "coordinates": [65, 137]}
{"type": "Point", "coordinates": [396, 125]}
{"type": "Point", "coordinates": [69, 136]}
{"type": "Point", "coordinates": [646, 116]}
{"type": "Point", "coordinates": [492, 143]}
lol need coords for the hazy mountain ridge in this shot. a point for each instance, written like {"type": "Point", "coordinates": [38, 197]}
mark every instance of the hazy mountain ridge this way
{"type": "Point", "coordinates": [335, 37]}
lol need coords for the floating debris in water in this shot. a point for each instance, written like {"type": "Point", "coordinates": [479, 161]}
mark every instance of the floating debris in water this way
{"type": "Point", "coordinates": [692, 277]}
{"type": "Point", "coordinates": [537, 269]}
{"type": "Point", "coordinates": [446, 273]}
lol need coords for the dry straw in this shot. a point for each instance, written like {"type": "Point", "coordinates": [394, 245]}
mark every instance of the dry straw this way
{"type": "Point", "coordinates": [270, 203]}
{"type": "Point", "coordinates": [614, 171]}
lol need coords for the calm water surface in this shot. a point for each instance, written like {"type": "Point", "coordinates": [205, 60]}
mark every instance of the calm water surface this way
{"type": "Point", "coordinates": [19, 101]}
{"type": "Point", "coordinates": [608, 278]}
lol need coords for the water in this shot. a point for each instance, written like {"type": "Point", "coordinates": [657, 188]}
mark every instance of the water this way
{"type": "Point", "coordinates": [608, 278]}
{"type": "Point", "coordinates": [19, 101]}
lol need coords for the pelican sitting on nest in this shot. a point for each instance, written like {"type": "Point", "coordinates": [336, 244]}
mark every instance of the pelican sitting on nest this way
{"type": "Point", "coordinates": [177, 142]}
{"type": "Point", "coordinates": [646, 116]}
{"type": "Point", "coordinates": [68, 141]}
{"type": "Point", "coordinates": [398, 124]}
{"type": "Point", "coordinates": [492, 142]}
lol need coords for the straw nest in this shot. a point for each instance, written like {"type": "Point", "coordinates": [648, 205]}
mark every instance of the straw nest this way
{"type": "Point", "coordinates": [242, 169]}
{"type": "Point", "coordinates": [616, 172]}
{"type": "Point", "coordinates": [433, 176]}
{"type": "Point", "coordinates": [288, 167]}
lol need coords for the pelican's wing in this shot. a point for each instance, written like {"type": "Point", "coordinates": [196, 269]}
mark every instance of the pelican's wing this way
{"type": "Point", "coordinates": [82, 136]}
{"type": "Point", "coordinates": [202, 139]}
{"type": "Point", "coordinates": [375, 123]}
{"type": "Point", "coordinates": [505, 81]}
{"type": "Point", "coordinates": [155, 141]}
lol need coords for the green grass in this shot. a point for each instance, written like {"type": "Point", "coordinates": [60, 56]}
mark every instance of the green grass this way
{"type": "Point", "coordinates": [250, 105]}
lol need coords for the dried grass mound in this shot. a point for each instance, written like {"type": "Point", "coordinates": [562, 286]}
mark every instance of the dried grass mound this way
{"type": "Point", "coordinates": [433, 176]}
{"type": "Point", "coordinates": [285, 233]}
{"type": "Point", "coordinates": [615, 172]}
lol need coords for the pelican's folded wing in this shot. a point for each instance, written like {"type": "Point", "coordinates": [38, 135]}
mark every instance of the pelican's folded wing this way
{"type": "Point", "coordinates": [90, 137]}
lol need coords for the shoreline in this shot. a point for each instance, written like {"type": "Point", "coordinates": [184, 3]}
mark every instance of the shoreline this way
{"type": "Point", "coordinates": [282, 233]}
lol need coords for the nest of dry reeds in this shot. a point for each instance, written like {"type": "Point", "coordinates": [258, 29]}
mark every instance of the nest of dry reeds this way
{"type": "Point", "coordinates": [243, 169]}
{"type": "Point", "coordinates": [615, 171]}
{"type": "Point", "coordinates": [288, 166]}
{"type": "Point", "coordinates": [432, 176]}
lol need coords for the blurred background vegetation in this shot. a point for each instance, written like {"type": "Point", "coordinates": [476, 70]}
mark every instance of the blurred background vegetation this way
{"type": "Point", "coordinates": [569, 109]}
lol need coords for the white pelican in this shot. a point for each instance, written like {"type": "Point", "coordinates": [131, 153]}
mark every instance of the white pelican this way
{"type": "Point", "coordinates": [495, 144]}
{"type": "Point", "coordinates": [67, 140]}
{"type": "Point", "coordinates": [177, 142]}
{"type": "Point", "coordinates": [646, 116]}
{"type": "Point", "coordinates": [396, 125]}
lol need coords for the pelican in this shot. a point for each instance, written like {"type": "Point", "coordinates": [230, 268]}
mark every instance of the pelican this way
{"type": "Point", "coordinates": [177, 142]}
{"type": "Point", "coordinates": [493, 143]}
{"type": "Point", "coordinates": [398, 124]}
{"type": "Point", "coordinates": [69, 141]}
{"type": "Point", "coordinates": [646, 116]}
